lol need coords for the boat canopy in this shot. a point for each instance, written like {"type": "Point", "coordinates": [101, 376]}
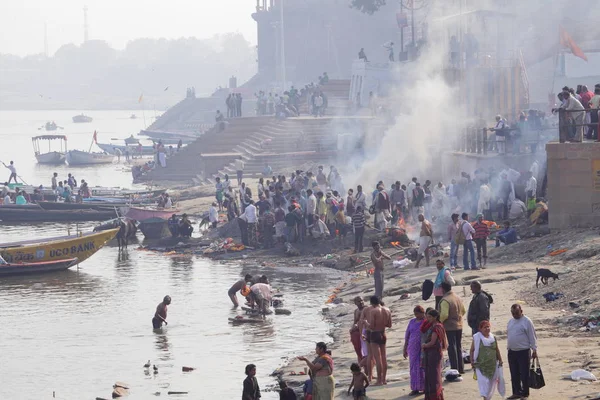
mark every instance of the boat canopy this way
{"type": "Point", "coordinates": [49, 137]}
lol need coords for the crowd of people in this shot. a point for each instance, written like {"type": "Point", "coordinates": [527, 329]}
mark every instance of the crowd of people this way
{"type": "Point", "coordinates": [316, 205]}
{"type": "Point", "coordinates": [581, 107]}
{"type": "Point", "coordinates": [434, 331]}
{"type": "Point", "coordinates": [66, 190]}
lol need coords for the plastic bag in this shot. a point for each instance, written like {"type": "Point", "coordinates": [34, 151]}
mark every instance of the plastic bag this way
{"type": "Point", "coordinates": [582, 374]}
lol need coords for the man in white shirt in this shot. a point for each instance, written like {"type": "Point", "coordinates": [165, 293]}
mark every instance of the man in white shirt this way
{"type": "Point", "coordinates": [521, 341]}
{"type": "Point", "coordinates": [318, 105]}
{"type": "Point", "coordinates": [13, 171]}
{"type": "Point", "coordinates": [498, 138]}
{"type": "Point", "coordinates": [213, 215]}
{"type": "Point", "coordinates": [250, 216]}
{"type": "Point", "coordinates": [311, 208]}
{"type": "Point", "coordinates": [468, 231]}
{"type": "Point", "coordinates": [7, 199]}
{"type": "Point", "coordinates": [530, 189]}
{"type": "Point", "coordinates": [239, 169]}
{"type": "Point", "coordinates": [577, 114]}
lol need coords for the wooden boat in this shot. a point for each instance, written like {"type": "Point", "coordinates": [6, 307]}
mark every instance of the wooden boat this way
{"type": "Point", "coordinates": [59, 205]}
{"type": "Point", "coordinates": [56, 248]}
{"type": "Point", "coordinates": [185, 137]}
{"type": "Point", "coordinates": [78, 119]}
{"type": "Point", "coordinates": [31, 214]}
{"type": "Point", "coordinates": [141, 214]}
{"type": "Point", "coordinates": [135, 150]}
{"type": "Point", "coordinates": [51, 157]}
{"type": "Point", "coordinates": [131, 140]}
{"type": "Point", "coordinates": [50, 126]}
{"type": "Point", "coordinates": [246, 320]}
{"type": "Point", "coordinates": [78, 157]}
{"type": "Point", "coordinates": [36, 267]}
{"type": "Point", "coordinates": [155, 228]}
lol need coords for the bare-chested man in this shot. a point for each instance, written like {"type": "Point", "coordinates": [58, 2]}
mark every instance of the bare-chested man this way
{"type": "Point", "coordinates": [238, 286]}
{"type": "Point", "coordinates": [378, 318]}
{"type": "Point", "coordinates": [377, 257]}
{"type": "Point", "coordinates": [160, 315]}
{"type": "Point", "coordinates": [355, 332]}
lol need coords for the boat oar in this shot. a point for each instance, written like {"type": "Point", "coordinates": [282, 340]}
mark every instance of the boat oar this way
{"type": "Point", "coordinates": [23, 180]}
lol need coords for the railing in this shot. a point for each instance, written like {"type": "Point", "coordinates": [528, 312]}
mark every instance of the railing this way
{"type": "Point", "coordinates": [571, 125]}
{"type": "Point", "coordinates": [479, 140]}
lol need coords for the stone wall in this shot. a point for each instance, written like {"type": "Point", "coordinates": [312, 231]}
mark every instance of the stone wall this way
{"type": "Point", "coordinates": [574, 184]}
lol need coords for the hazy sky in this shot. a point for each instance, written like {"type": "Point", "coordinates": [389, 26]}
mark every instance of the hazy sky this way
{"type": "Point", "coordinates": [118, 21]}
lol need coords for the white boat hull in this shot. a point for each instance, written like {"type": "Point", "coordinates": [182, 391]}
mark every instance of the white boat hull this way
{"type": "Point", "coordinates": [77, 157]}
{"type": "Point", "coordinates": [53, 157]}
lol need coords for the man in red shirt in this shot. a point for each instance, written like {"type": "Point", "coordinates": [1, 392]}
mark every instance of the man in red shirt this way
{"type": "Point", "coordinates": [482, 231]}
{"type": "Point", "coordinates": [586, 95]}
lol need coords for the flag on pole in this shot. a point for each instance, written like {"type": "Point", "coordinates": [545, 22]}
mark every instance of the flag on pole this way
{"type": "Point", "coordinates": [141, 98]}
{"type": "Point", "coordinates": [567, 41]}
{"type": "Point", "coordinates": [402, 20]}
{"type": "Point", "coordinates": [95, 137]}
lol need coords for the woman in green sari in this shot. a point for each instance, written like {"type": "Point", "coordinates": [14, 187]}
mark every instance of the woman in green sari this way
{"type": "Point", "coordinates": [322, 369]}
{"type": "Point", "coordinates": [487, 362]}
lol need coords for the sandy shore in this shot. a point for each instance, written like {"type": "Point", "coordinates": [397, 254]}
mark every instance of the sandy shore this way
{"type": "Point", "coordinates": [561, 349]}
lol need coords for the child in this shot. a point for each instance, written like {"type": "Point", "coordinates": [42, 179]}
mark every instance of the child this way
{"type": "Point", "coordinates": [251, 388]}
{"type": "Point", "coordinates": [307, 388]}
{"type": "Point", "coordinates": [360, 382]}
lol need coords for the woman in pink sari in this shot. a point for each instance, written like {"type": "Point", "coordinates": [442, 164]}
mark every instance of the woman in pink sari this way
{"type": "Point", "coordinates": [433, 349]}
{"type": "Point", "coordinates": [412, 351]}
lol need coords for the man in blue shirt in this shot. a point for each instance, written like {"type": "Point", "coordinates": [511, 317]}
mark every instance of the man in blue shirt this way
{"type": "Point", "coordinates": [507, 235]}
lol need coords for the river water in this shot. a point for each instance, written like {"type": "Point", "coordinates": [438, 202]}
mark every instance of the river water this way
{"type": "Point", "coordinates": [77, 332]}
{"type": "Point", "coordinates": [18, 127]}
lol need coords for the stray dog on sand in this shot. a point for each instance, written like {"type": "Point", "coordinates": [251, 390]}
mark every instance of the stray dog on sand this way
{"type": "Point", "coordinates": [544, 274]}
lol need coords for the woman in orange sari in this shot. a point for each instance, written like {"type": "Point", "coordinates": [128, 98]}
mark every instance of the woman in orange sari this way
{"type": "Point", "coordinates": [322, 370]}
{"type": "Point", "coordinates": [433, 349]}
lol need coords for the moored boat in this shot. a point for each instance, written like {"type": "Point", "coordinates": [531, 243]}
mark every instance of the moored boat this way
{"type": "Point", "coordinates": [60, 205]}
{"type": "Point", "coordinates": [51, 157]}
{"type": "Point", "coordinates": [78, 157]}
{"type": "Point", "coordinates": [131, 140]}
{"type": "Point", "coordinates": [37, 267]}
{"type": "Point", "coordinates": [56, 248]}
{"type": "Point", "coordinates": [171, 137]}
{"type": "Point", "coordinates": [141, 214]}
{"type": "Point", "coordinates": [38, 214]}
{"type": "Point", "coordinates": [154, 228]}
{"type": "Point", "coordinates": [78, 119]}
{"type": "Point", "coordinates": [50, 126]}
{"type": "Point", "coordinates": [134, 150]}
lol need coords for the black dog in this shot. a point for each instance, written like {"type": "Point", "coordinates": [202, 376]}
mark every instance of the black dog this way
{"type": "Point", "coordinates": [544, 274]}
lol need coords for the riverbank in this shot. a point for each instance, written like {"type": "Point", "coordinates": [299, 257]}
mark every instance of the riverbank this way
{"type": "Point", "coordinates": [564, 345]}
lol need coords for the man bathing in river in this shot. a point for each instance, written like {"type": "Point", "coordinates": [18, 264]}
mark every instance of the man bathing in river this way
{"type": "Point", "coordinates": [378, 318]}
{"type": "Point", "coordinates": [238, 286]}
{"type": "Point", "coordinates": [160, 315]}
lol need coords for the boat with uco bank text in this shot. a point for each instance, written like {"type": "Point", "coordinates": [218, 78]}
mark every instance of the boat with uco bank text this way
{"type": "Point", "coordinates": [80, 246]}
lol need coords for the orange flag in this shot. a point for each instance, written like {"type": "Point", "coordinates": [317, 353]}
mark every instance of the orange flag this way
{"type": "Point", "coordinates": [567, 41]}
{"type": "Point", "coordinates": [95, 137]}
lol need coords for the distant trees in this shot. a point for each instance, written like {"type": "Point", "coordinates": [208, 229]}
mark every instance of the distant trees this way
{"type": "Point", "coordinates": [367, 6]}
{"type": "Point", "coordinates": [94, 75]}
